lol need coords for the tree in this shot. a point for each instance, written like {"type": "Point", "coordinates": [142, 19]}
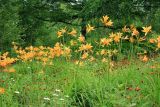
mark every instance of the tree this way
{"type": "Point", "coordinates": [9, 30]}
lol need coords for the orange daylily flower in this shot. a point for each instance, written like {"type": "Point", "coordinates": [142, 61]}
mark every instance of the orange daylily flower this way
{"type": "Point", "coordinates": [135, 32]}
{"type": "Point", "coordinates": [158, 39]}
{"type": "Point", "coordinates": [63, 30]}
{"type": "Point", "coordinates": [85, 47]}
{"type": "Point", "coordinates": [158, 45]}
{"type": "Point", "coordinates": [89, 28]}
{"type": "Point", "coordinates": [103, 52]}
{"type": "Point", "coordinates": [152, 40]}
{"type": "Point", "coordinates": [105, 41]}
{"type": "Point", "coordinates": [146, 30]}
{"type": "Point", "coordinates": [125, 29]}
{"type": "Point", "coordinates": [73, 32]}
{"type": "Point", "coordinates": [109, 23]}
{"type": "Point", "coordinates": [84, 56]}
{"type": "Point", "coordinates": [104, 60]}
{"type": "Point", "coordinates": [145, 58]}
{"type": "Point", "coordinates": [59, 34]}
{"type": "Point", "coordinates": [137, 89]}
{"type": "Point", "coordinates": [81, 38]}
{"type": "Point", "coordinates": [117, 38]}
{"type": "Point", "coordinates": [92, 59]}
{"type": "Point", "coordinates": [2, 90]}
{"type": "Point", "coordinates": [73, 42]}
{"type": "Point", "coordinates": [131, 39]}
{"type": "Point", "coordinates": [105, 20]}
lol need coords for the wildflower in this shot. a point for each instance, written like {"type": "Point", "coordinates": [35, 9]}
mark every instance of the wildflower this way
{"type": "Point", "coordinates": [17, 92]}
{"type": "Point", "coordinates": [152, 40]}
{"type": "Point", "coordinates": [109, 23]}
{"type": "Point", "coordinates": [145, 59]}
{"type": "Point", "coordinates": [132, 27]}
{"type": "Point", "coordinates": [130, 88]}
{"type": "Point", "coordinates": [67, 51]}
{"type": "Point", "coordinates": [89, 28]}
{"type": "Point", "coordinates": [135, 32]}
{"type": "Point", "coordinates": [146, 30]}
{"type": "Point", "coordinates": [103, 52]}
{"type": "Point", "coordinates": [73, 32]}
{"type": "Point", "coordinates": [158, 45]}
{"type": "Point", "coordinates": [112, 35]}
{"type": "Point", "coordinates": [63, 30]}
{"type": "Point", "coordinates": [56, 95]}
{"type": "Point", "coordinates": [85, 47]}
{"type": "Point", "coordinates": [104, 60]}
{"type": "Point", "coordinates": [81, 38]}
{"type": "Point", "coordinates": [117, 38]}
{"type": "Point", "coordinates": [137, 89]}
{"type": "Point", "coordinates": [2, 90]}
{"type": "Point", "coordinates": [105, 41]}
{"type": "Point", "coordinates": [131, 39]}
{"type": "Point", "coordinates": [57, 90]}
{"type": "Point", "coordinates": [59, 34]}
{"type": "Point", "coordinates": [73, 43]}
{"type": "Point", "coordinates": [46, 98]}
{"type": "Point", "coordinates": [125, 29]}
{"type": "Point", "coordinates": [105, 20]}
{"type": "Point", "coordinates": [92, 59]}
{"type": "Point", "coordinates": [158, 39]}
{"type": "Point", "coordinates": [81, 63]}
{"type": "Point", "coordinates": [152, 67]}
{"type": "Point", "coordinates": [142, 39]}
{"type": "Point", "coordinates": [84, 56]}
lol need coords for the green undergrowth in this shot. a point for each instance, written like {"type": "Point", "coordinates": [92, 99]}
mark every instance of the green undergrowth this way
{"type": "Point", "coordinates": [65, 84]}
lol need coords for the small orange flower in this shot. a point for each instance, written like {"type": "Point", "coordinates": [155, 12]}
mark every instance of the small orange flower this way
{"type": "Point", "coordinates": [63, 30]}
{"type": "Point", "coordinates": [131, 39]}
{"type": "Point", "coordinates": [2, 90]}
{"type": "Point", "coordinates": [105, 20]}
{"type": "Point", "coordinates": [137, 89]}
{"type": "Point", "coordinates": [117, 38]}
{"type": "Point", "coordinates": [158, 45]}
{"type": "Point", "coordinates": [104, 60]}
{"type": "Point", "coordinates": [92, 59]}
{"type": "Point", "coordinates": [105, 41]}
{"type": "Point", "coordinates": [152, 40]}
{"type": "Point", "coordinates": [73, 32]}
{"type": "Point", "coordinates": [145, 58]}
{"type": "Point", "coordinates": [135, 32]}
{"type": "Point", "coordinates": [84, 56]}
{"type": "Point", "coordinates": [146, 30]}
{"type": "Point", "coordinates": [158, 39]}
{"type": "Point", "coordinates": [103, 52]}
{"type": "Point", "coordinates": [89, 28]}
{"type": "Point", "coordinates": [59, 34]}
{"type": "Point", "coordinates": [85, 47]}
{"type": "Point", "coordinates": [125, 29]}
{"type": "Point", "coordinates": [81, 38]}
{"type": "Point", "coordinates": [130, 88]}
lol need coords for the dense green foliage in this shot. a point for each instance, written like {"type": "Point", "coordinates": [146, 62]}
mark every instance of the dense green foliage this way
{"type": "Point", "coordinates": [27, 21]}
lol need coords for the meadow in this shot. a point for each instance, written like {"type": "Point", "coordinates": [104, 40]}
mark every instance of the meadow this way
{"type": "Point", "coordinates": [118, 69]}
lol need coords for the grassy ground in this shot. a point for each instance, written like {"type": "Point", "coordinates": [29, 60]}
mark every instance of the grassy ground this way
{"type": "Point", "coordinates": [64, 84]}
